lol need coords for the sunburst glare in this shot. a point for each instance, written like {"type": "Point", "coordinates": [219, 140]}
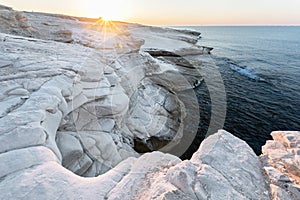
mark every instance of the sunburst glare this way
{"type": "Point", "coordinates": [108, 10]}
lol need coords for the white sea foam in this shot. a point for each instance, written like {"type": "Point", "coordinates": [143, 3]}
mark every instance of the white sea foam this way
{"type": "Point", "coordinates": [245, 72]}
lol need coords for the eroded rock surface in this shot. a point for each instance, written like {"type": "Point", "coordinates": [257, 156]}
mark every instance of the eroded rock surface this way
{"type": "Point", "coordinates": [83, 100]}
{"type": "Point", "coordinates": [282, 164]}
{"type": "Point", "coordinates": [14, 22]}
{"type": "Point", "coordinates": [224, 167]}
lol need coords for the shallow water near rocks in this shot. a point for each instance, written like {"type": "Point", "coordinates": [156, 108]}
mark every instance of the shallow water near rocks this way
{"type": "Point", "coordinates": [260, 67]}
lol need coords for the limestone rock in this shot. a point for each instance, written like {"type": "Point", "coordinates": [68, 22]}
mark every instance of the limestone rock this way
{"type": "Point", "coordinates": [236, 163]}
{"type": "Point", "coordinates": [70, 147]}
{"type": "Point", "coordinates": [3, 7]}
{"type": "Point", "coordinates": [64, 36]}
{"type": "Point", "coordinates": [14, 22]}
{"type": "Point", "coordinates": [280, 156]}
{"type": "Point", "coordinates": [279, 193]}
{"type": "Point", "coordinates": [106, 124]}
{"type": "Point", "coordinates": [22, 137]}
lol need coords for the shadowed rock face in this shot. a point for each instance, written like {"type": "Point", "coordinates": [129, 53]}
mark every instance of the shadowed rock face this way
{"type": "Point", "coordinates": [152, 144]}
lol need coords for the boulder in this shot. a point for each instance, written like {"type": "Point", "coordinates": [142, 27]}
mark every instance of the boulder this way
{"type": "Point", "coordinates": [236, 164]}
{"type": "Point", "coordinates": [63, 36]}
{"type": "Point", "coordinates": [281, 161]}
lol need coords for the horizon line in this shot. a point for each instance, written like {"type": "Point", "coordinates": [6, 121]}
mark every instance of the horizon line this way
{"type": "Point", "coordinates": [154, 24]}
{"type": "Point", "coordinates": [228, 25]}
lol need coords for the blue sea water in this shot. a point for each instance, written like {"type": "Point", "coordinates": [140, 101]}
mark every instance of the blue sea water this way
{"type": "Point", "coordinates": [266, 50]}
{"type": "Point", "coordinates": [260, 66]}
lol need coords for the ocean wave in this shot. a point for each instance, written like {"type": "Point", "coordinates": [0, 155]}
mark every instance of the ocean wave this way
{"type": "Point", "coordinates": [245, 71]}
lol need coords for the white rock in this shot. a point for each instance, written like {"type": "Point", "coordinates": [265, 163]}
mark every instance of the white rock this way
{"type": "Point", "coordinates": [106, 124]}
{"type": "Point", "coordinates": [81, 165]}
{"type": "Point", "coordinates": [24, 159]}
{"type": "Point", "coordinates": [282, 157]}
{"type": "Point", "coordinates": [275, 175]}
{"type": "Point", "coordinates": [182, 176]}
{"type": "Point", "coordinates": [104, 144]}
{"type": "Point", "coordinates": [23, 136]}
{"type": "Point", "coordinates": [77, 102]}
{"type": "Point", "coordinates": [69, 147]}
{"type": "Point", "coordinates": [9, 104]}
{"type": "Point", "coordinates": [19, 91]}
{"type": "Point", "coordinates": [115, 104]}
{"type": "Point", "coordinates": [108, 70]}
{"type": "Point", "coordinates": [236, 161]}
{"type": "Point", "coordinates": [279, 193]}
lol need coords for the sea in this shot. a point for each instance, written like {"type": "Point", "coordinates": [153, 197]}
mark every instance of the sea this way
{"type": "Point", "coordinates": [260, 67]}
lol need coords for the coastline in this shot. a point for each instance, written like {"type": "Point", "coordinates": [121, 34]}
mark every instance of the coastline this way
{"type": "Point", "coordinates": [78, 101]}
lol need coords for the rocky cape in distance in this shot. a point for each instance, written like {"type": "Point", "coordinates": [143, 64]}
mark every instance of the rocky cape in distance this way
{"type": "Point", "coordinates": [82, 102]}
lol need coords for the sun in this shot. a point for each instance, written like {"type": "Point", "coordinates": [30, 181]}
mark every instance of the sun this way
{"type": "Point", "coordinates": [110, 17]}
{"type": "Point", "coordinates": [106, 9]}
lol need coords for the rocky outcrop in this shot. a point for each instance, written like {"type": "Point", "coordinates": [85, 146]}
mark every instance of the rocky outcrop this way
{"type": "Point", "coordinates": [282, 164]}
{"type": "Point", "coordinates": [14, 22]}
{"type": "Point", "coordinates": [180, 52]}
{"type": "Point", "coordinates": [92, 102]}
{"type": "Point", "coordinates": [223, 167]}
{"type": "Point", "coordinates": [57, 97]}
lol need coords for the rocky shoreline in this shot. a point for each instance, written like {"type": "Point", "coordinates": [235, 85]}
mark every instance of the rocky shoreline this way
{"type": "Point", "coordinates": [82, 100]}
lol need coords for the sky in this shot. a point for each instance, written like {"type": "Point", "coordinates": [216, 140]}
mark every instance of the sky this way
{"type": "Point", "coordinates": [173, 12]}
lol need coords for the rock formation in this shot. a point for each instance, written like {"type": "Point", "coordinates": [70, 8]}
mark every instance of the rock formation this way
{"type": "Point", "coordinates": [94, 102]}
{"type": "Point", "coordinates": [282, 164]}
{"type": "Point", "coordinates": [14, 22]}
{"type": "Point", "coordinates": [80, 101]}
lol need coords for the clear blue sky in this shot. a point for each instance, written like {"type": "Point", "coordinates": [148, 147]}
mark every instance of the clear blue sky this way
{"type": "Point", "coordinates": [174, 12]}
